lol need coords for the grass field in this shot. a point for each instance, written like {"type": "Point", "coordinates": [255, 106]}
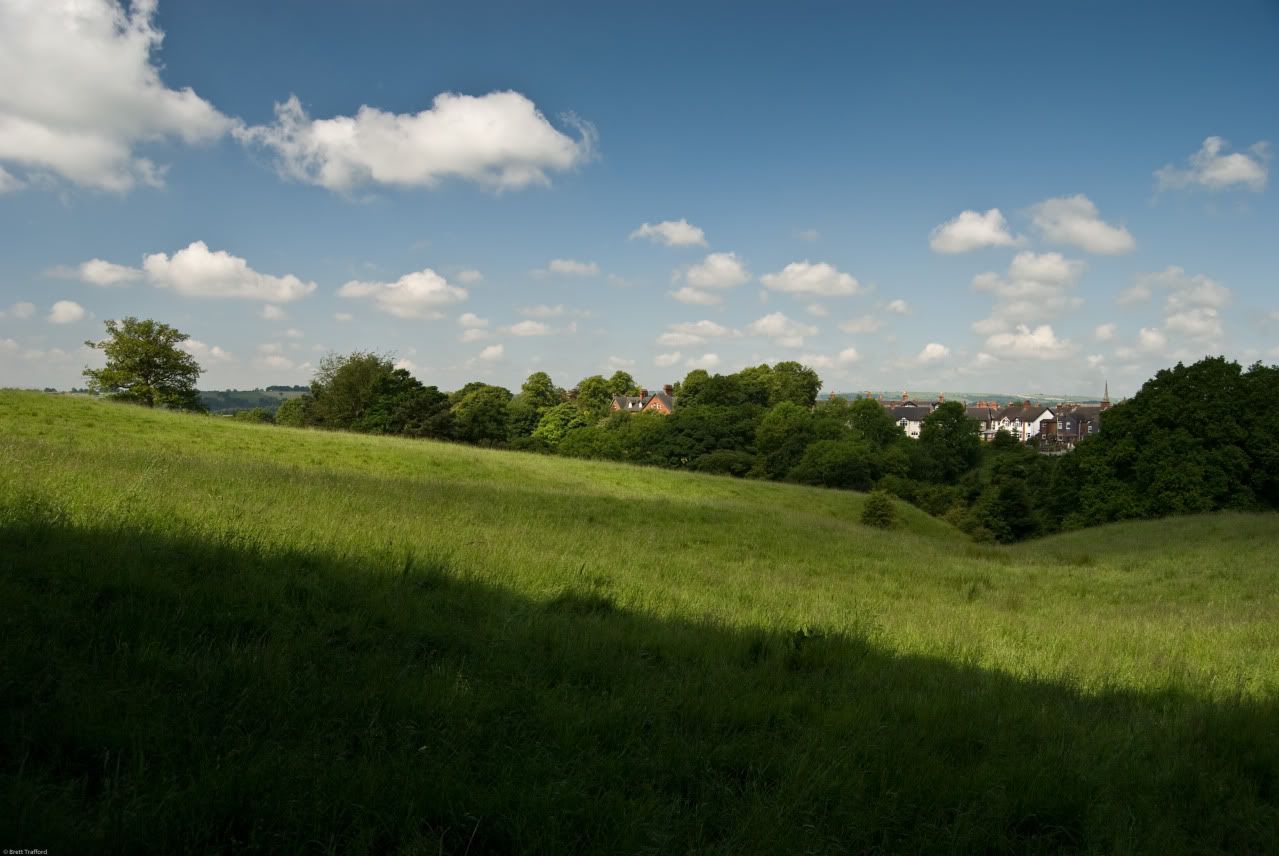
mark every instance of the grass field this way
{"type": "Point", "coordinates": [223, 636]}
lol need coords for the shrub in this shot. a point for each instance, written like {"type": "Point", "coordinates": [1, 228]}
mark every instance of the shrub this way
{"type": "Point", "coordinates": [879, 511]}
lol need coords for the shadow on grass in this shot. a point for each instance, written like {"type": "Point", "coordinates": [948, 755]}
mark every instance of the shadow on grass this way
{"type": "Point", "coordinates": [174, 694]}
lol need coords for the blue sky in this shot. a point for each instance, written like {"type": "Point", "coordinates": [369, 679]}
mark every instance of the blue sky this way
{"type": "Point", "coordinates": [1007, 197]}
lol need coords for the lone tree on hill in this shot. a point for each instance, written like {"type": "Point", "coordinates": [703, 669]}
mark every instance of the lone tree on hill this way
{"type": "Point", "coordinates": [145, 365]}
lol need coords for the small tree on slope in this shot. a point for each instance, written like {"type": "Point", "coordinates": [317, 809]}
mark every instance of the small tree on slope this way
{"type": "Point", "coordinates": [145, 365]}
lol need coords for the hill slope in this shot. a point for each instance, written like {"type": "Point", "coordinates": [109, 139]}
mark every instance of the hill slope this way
{"type": "Point", "coordinates": [259, 637]}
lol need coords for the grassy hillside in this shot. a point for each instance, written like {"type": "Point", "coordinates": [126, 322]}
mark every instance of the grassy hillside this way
{"type": "Point", "coordinates": [239, 636]}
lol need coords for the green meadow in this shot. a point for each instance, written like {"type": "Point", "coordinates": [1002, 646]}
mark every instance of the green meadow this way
{"type": "Point", "coordinates": [219, 636]}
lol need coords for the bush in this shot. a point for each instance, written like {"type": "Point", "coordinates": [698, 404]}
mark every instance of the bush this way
{"type": "Point", "coordinates": [879, 511]}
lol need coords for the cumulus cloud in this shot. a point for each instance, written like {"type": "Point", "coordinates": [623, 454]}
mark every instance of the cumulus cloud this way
{"type": "Point", "coordinates": [1213, 169]}
{"type": "Point", "coordinates": [620, 363]}
{"type": "Point", "coordinates": [817, 310]}
{"type": "Point", "coordinates": [897, 307]}
{"type": "Point", "coordinates": [705, 361]}
{"type": "Point", "coordinates": [271, 312]}
{"type": "Point", "coordinates": [862, 324]}
{"type": "Point", "coordinates": [667, 360]}
{"type": "Point", "coordinates": [846, 357]}
{"type": "Point", "coordinates": [672, 233]}
{"type": "Point", "coordinates": [66, 312]}
{"type": "Point", "coordinates": [420, 294]}
{"type": "Point", "coordinates": [1193, 303]}
{"type": "Point", "coordinates": [472, 321]}
{"type": "Point", "coordinates": [99, 272]}
{"type": "Point", "coordinates": [492, 353]}
{"type": "Point", "coordinates": [19, 311]}
{"type": "Point", "coordinates": [469, 276]}
{"type": "Point", "coordinates": [717, 271]}
{"type": "Point", "coordinates": [205, 353]}
{"type": "Point", "coordinates": [542, 311]}
{"type": "Point", "coordinates": [693, 333]}
{"type": "Point", "coordinates": [572, 267]}
{"type": "Point", "coordinates": [783, 330]}
{"type": "Point", "coordinates": [1104, 332]}
{"type": "Point", "coordinates": [696, 297]}
{"type": "Point", "coordinates": [1074, 220]}
{"type": "Point", "coordinates": [528, 328]}
{"type": "Point", "coordinates": [972, 230]}
{"type": "Point", "coordinates": [499, 140]}
{"type": "Point", "coordinates": [1036, 288]}
{"type": "Point", "coordinates": [198, 272]}
{"type": "Point", "coordinates": [805, 277]}
{"type": "Point", "coordinates": [79, 94]}
{"type": "Point", "coordinates": [1024, 343]}
{"type": "Point", "coordinates": [9, 182]}
{"type": "Point", "coordinates": [932, 352]}
{"type": "Point", "coordinates": [1151, 339]}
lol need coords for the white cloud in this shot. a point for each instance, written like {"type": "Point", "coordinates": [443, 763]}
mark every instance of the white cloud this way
{"type": "Point", "coordinates": [197, 272]}
{"type": "Point", "coordinates": [817, 310]}
{"type": "Point", "coordinates": [420, 294]}
{"type": "Point", "coordinates": [620, 363]}
{"type": "Point", "coordinates": [1211, 169]}
{"type": "Point", "coordinates": [806, 278]}
{"type": "Point", "coordinates": [696, 297]}
{"type": "Point", "coordinates": [784, 331]}
{"type": "Point", "coordinates": [897, 307]}
{"type": "Point", "coordinates": [1151, 339]}
{"type": "Point", "coordinates": [846, 357]}
{"type": "Point", "coordinates": [9, 182]}
{"type": "Point", "coordinates": [971, 231]}
{"type": "Point", "coordinates": [862, 324]}
{"type": "Point", "coordinates": [705, 361]}
{"type": "Point", "coordinates": [79, 93]}
{"type": "Point", "coordinates": [206, 353]}
{"type": "Point", "coordinates": [672, 233]}
{"type": "Point", "coordinates": [99, 272]}
{"type": "Point", "coordinates": [667, 360]}
{"type": "Point", "coordinates": [469, 276]}
{"type": "Point", "coordinates": [1201, 322]}
{"type": "Point", "coordinates": [528, 328]}
{"type": "Point", "coordinates": [473, 334]}
{"type": "Point", "coordinates": [294, 333]}
{"type": "Point", "coordinates": [1192, 305]}
{"type": "Point", "coordinates": [500, 140]}
{"type": "Point", "coordinates": [932, 352]}
{"type": "Point", "coordinates": [406, 364]}
{"type": "Point", "coordinates": [572, 267]}
{"type": "Point", "coordinates": [472, 321]}
{"type": "Point", "coordinates": [693, 333]}
{"type": "Point", "coordinates": [271, 356]}
{"type": "Point", "coordinates": [717, 270]}
{"type": "Point", "coordinates": [1104, 332]}
{"type": "Point", "coordinates": [20, 311]}
{"type": "Point", "coordinates": [66, 312]}
{"type": "Point", "coordinates": [493, 353]}
{"type": "Point", "coordinates": [1074, 220]}
{"type": "Point", "coordinates": [1024, 343]}
{"type": "Point", "coordinates": [542, 311]}
{"type": "Point", "coordinates": [271, 312]}
{"type": "Point", "coordinates": [1036, 288]}
{"type": "Point", "coordinates": [343, 316]}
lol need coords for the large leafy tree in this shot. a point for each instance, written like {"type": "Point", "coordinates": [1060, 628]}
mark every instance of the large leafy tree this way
{"type": "Point", "coordinates": [345, 387]}
{"type": "Point", "coordinates": [482, 415]}
{"type": "Point", "coordinates": [621, 383]}
{"type": "Point", "coordinates": [402, 405]}
{"type": "Point", "coordinates": [950, 442]}
{"type": "Point", "coordinates": [146, 365]}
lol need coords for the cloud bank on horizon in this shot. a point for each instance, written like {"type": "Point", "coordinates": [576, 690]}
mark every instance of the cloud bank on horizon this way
{"type": "Point", "coordinates": [461, 228]}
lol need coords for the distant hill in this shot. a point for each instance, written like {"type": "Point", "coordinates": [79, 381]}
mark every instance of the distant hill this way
{"type": "Point", "coordinates": [231, 400]}
{"type": "Point", "coordinates": [970, 397]}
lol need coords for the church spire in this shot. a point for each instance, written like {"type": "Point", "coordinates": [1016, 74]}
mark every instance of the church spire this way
{"type": "Point", "coordinates": [1105, 398]}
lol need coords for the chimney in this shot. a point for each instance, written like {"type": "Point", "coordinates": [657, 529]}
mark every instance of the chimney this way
{"type": "Point", "coordinates": [905, 396]}
{"type": "Point", "coordinates": [668, 389]}
{"type": "Point", "coordinates": [643, 393]}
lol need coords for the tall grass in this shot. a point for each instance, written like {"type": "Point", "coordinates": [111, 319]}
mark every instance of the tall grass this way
{"type": "Point", "coordinates": [229, 636]}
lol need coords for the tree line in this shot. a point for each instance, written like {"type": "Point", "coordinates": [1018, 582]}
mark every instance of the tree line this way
{"type": "Point", "coordinates": [1196, 438]}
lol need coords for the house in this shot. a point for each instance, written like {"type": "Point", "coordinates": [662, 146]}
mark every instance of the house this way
{"type": "Point", "coordinates": [987, 416]}
{"type": "Point", "coordinates": [662, 402]}
{"type": "Point", "coordinates": [1026, 421]}
{"type": "Point", "coordinates": [909, 415]}
{"type": "Point", "coordinates": [1077, 421]}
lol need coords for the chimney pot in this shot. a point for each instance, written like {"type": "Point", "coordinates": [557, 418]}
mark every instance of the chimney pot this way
{"type": "Point", "coordinates": [643, 393]}
{"type": "Point", "coordinates": [669, 389]}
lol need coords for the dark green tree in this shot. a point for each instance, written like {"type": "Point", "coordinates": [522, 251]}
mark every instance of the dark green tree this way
{"type": "Point", "coordinates": [593, 394]}
{"type": "Point", "coordinates": [540, 392]}
{"type": "Point", "coordinates": [482, 416]}
{"type": "Point", "coordinates": [950, 442]}
{"type": "Point", "coordinates": [621, 383]}
{"type": "Point", "coordinates": [795, 383]}
{"type": "Point", "coordinates": [345, 386]}
{"type": "Point", "coordinates": [402, 405]}
{"type": "Point", "coordinates": [146, 365]}
{"type": "Point", "coordinates": [292, 411]}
